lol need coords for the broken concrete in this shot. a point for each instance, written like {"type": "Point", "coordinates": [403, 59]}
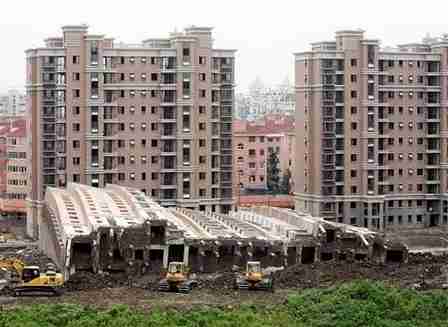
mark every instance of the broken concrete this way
{"type": "Point", "coordinates": [118, 229]}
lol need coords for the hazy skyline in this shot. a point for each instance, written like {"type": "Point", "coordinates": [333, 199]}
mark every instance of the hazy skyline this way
{"type": "Point", "coordinates": [265, 33]}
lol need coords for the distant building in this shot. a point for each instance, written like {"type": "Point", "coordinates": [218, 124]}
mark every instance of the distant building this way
{"type": "Point", "coordinates": [12, 104]}
{"type": "Point", "coordinates": [261, 101]}
{"type": "Point", "coordinates": [14, 167]}
{"type": "Point", "coordinates": [253, 142]}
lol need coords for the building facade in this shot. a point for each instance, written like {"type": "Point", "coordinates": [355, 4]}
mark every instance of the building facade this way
{"type": "Point", "coordinates": [157, 116]}
{"type": "Point", "coordinates": [253, 141]}
{"type": "Point", "coordinates": [14, 167]}
{"type": "Point", "coordinates": [12, 104]}
{"type": "Point", "coordinates": [372, 130]}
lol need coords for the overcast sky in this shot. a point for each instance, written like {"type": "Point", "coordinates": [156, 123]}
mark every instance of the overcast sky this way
{"type": "Point", "coordinates": [266, 33]}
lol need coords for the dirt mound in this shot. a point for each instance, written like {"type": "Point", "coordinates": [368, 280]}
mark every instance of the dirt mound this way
{"type": "Point", "coordinates": [85, 280]}
{"type": "Point", "coordinates": [426, 269]}
{"type": "Point", "coordinates": [217, 282]}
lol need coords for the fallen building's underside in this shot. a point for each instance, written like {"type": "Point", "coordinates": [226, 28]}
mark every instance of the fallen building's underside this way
{"type": "Point", "coordinates": [120, 229]}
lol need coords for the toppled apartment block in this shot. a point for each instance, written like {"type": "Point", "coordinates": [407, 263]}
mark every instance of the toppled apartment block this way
{"type": "Point", "coordinates": [120, 229]}
{"type": "Point", "coordinates": [337, 241]}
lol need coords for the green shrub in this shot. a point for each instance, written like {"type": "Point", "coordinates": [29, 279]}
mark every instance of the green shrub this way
{"type": "Point", "coordinates": [363, 303]}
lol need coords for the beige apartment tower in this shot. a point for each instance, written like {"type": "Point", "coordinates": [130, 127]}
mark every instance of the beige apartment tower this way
{"type": "Point", "coordinates": [156, 116]}
{"type": "Point", "coordinates": [372, 129]}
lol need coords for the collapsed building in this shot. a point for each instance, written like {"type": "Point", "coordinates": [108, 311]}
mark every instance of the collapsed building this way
{"type": "Point", "coordinates": [120, 229]}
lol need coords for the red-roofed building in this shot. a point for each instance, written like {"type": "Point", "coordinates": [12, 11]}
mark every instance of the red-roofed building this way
{"type": "Point", "coordinates": [14, 166]}
{"type": "Point", "coordinates": [252, 142]}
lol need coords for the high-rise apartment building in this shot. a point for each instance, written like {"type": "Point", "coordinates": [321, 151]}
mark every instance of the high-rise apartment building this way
{"type": "Point", "coordinates": [155, 116]}
{"type": "Point", "coordinates": [372, 129]}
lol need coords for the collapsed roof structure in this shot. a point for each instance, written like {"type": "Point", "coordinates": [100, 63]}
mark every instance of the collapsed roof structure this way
{"type": "Point", "coordinates": [120, 229]}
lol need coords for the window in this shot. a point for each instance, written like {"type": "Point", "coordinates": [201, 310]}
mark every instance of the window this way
{"type": "Point", "coordinates": [143, 176]}
{"type": "Point", "coordinates": [251, 138]}
{"type": "Point", "coordinates": [76, 144]}
{"type": "Point", "coordinates": [353, 110]}
{"type": "Point", "coordinates": [201, 110]}
{"type": "Point", "coordinates": [202, 175]}
{"type": "Point", "coordinates": [77, 110]}
{"type": "Point", "coordinates": [353, 78]}
{"type": "Point", "coordinates": [154, 160]}
{"type": "Point", "coordinates": [353, 62]}
{"type": "Point", "coordinates": [202, 77]}
{"type": "Point", "coordinates": [419, 187]}
{"type": "Point", "coordinates": [353, 157]}
{"type": "Point", "coordinates": [76, 127]}
{"type": "Point", "coordinates": [75, 60]}
{"type": "Point", "coordinates": [354, 125]}
{"type": "Point", "coordinates": [154, 176]}
{"type": "Point", "coordinates": [154, 143]}
{"type": "Point", "coordinates": [76, 161]}
{"type": "Point", "coordinates": [202, 93]}
{"type": "Point", "coordinates": [201, 143]}
{"type": "Point", "coordinates": [202, 60]}
{"type": "Point", "coordinates": [154, 77]}
{"type": "Point", "coordinates": [354, 142]}
{"type": "Point", "coordinates": [76, 93]}
{"type": "Point", "coordinates": [353, 173]}
{"type": "Point", "coordinates": [154, 126]}
{"type": "Point", "coordinates": [76, 76]}
{"type": "Point", "coordinates": [354, 190]}
{"type": "Point", "coordinates": [353, 94]}
{"type": "Point", "coordinates": [252, 152]}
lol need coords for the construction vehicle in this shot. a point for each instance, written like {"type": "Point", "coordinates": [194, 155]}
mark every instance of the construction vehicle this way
{"type": "Point", "coordinates": [177, 279]}
{"type": "Point", "coordinates": [29, 280]}
{"type": "Point", "coordinates": [254, 278]}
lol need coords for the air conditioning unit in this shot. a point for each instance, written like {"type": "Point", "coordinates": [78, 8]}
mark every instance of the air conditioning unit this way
{"type": "Point", "coordinates": [411, 109]}
{"type": "Point", "coordinates": [411, 124]}
{"type": "Point", "coordinates": [411, 93]}
{"type": "Point", "coordinates": [401, 78]}
{"type": "Point", "coordinates": [143, 60]}
{"type": "Point", "coordinates": [371, 97]}
{"type": "Point", "coordinates": [400, 156]}
{"type": "Point", "coordinates": [132, 59]}
{"type": "Point", "coordinates": [411, 171]}
{"type": "Point", "coordinates": [132, 109]}
{"type": "Point", "coordinates": [400, 125]}
{"type": "Point", "coordinates": [410, 140]}
{"type": "Point", "coordinates": [143, 93]}
{"type": "Point", "coordinates": [132, 93]}
{"type": "Point", "coordinates": [410, 156]}
{"type": "Point", "coordinates": [400, 93]}
{"type": "Point", "coordinates": [400, 187]}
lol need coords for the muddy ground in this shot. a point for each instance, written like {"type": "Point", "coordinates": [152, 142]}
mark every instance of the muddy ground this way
{"type": "Point", "coordinates": [422, 272]}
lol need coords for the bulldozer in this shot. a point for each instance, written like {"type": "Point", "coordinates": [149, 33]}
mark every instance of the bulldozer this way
{"type": "Point", "coordinates": [29, 280]}
{"type": "Point", "coordinates": [254, 278]}
{"type": "Point", "coordinates": [177, 279]}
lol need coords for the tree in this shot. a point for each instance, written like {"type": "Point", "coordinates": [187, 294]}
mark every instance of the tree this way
{"type": "Point", "coordinates": [273, 172]}
{"type": "Point", "coordinates": [286, 182]}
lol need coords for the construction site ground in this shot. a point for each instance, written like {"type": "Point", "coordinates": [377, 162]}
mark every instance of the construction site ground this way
{"type": "Point", "coordinates": [422, 272]}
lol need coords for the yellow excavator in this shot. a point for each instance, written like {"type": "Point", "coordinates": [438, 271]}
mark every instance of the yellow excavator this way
{"type": "Point", "coordinates": [177, 279]}
{"type": "Point", "coordinates": [254, 278]}
{"type": "Point", "coordinates": [29, 280]}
